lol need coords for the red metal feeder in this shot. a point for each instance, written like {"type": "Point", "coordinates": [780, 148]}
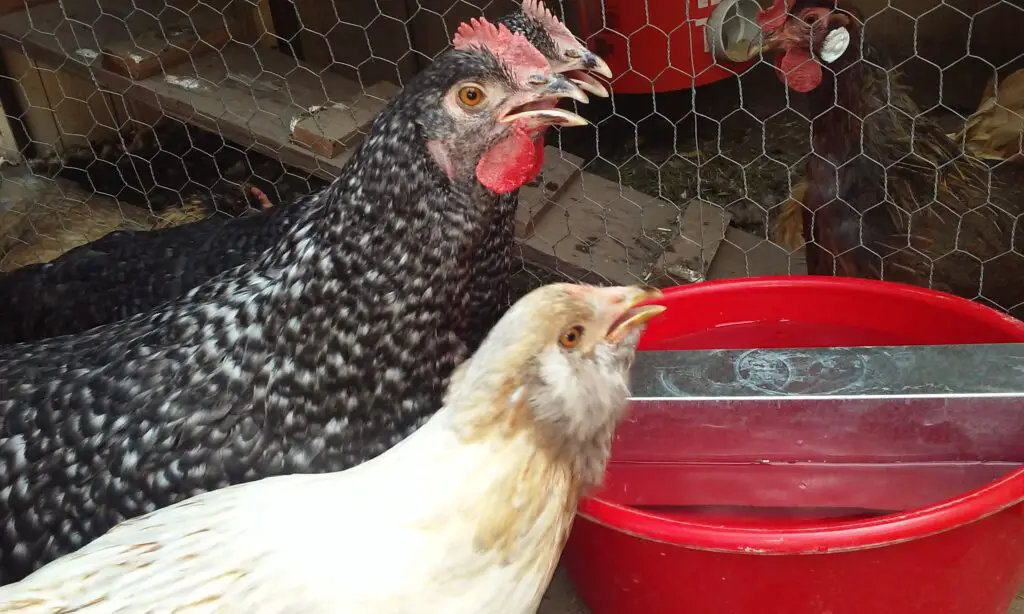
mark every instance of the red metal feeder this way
{"type": "Point", "coordinates": [663, 46]}
{"type": "Point", "coordinates": [806, 536]}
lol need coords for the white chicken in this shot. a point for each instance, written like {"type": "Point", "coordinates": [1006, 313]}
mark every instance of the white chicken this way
{"type": "Point", "coordinates": [467, 515]}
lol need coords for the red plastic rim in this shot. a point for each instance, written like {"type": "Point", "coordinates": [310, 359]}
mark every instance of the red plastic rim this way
{"type": "Point", "coordinates": [1011, 326]}
{"type": "Point", "coordinates": [812, 538]}
{"type": "Point", "coordinates": [821, 537]}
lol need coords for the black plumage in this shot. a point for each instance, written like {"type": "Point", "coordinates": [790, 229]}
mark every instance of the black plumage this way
{"type": "Point", "coordinates": [490, 289]}
{"type": "Point", "coordinates": [125, 273]}
{"type": "Point", "coordinates": [322, 352]}
{"type": "Point", "coordinates": [161, 167]}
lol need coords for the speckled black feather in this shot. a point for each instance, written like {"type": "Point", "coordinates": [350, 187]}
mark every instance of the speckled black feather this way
{"type": "Point", "coordinates": [533, 30]}
{"type": "Point", "coordinates": [325, 351]}
{"type": "Point", "coordinates": [489, 292]}
{"type": "Point", "coordinates": [125, 273]}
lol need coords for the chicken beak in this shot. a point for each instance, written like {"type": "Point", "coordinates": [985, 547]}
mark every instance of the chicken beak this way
{"type": "Point", "coordinates": [559, 86]}
{"type": "Point", "coordinates": [762, 43]}
{"type": "Point", "coordinates": [633, 314]}
{"type": "Point", "coordinates": [578, 72]}
{"type": "Point", "coordinates": [590, 84]}
{"type": "Point", "coordinates": [755, 46]}
{"type": "Point", "coordinates": [593, 63]}
{"type": "Point", "coordinates": [556, 87]}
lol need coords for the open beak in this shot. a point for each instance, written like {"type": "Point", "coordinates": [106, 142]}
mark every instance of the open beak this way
{"type": "Point", "coordinates": [591, 62]}
{"type": "Point", "coordinates": [594, 63]}
{"type": "Point", "coordinates": [579, 73]}
{"type": "Point", "coordinates": [765, 43]}
{"type": "Point", "coordinates": [633, 314]}
{"type": "Point", "coordinates": [538, 106]}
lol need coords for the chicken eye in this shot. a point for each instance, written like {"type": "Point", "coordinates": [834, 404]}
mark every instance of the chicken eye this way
{"type": "Point", "coordinates": [571, 337]}
{"type": "Point", "coordinates": [471, 95]}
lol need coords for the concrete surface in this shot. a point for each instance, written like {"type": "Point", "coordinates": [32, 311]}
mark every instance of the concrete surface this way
{"type": "Point", "coordinates": [561, 598]}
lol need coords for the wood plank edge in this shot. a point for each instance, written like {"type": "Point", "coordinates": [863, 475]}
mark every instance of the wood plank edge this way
{"type": "Point", "coordinates": [131, 90]}
{"type": "Point", "coordinates": [173, 55]}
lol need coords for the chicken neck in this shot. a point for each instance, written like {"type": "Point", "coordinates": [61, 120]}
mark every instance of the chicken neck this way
{"type": "Point", "coordinates": [377, 264]}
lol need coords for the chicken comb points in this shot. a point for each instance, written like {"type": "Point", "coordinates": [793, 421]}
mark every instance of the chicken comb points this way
{"type": "Point", "coordinates": [535, 9]}
{"type": "Point", "coordinates": [774, 16]}
{"type": "Point", "coordinates": [512, 49]}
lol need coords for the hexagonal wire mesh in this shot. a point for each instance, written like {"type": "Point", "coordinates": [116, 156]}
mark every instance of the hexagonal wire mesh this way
{"type": "Point", "coordinates": [157, 112]}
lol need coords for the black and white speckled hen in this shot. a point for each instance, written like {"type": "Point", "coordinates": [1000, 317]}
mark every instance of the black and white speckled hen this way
{"type": "Point", "coordinates": [126, 272]}
{"type": "Point", "coordinates": [323, 352]}
{"type": "Point", "coordinates": [489, 292]}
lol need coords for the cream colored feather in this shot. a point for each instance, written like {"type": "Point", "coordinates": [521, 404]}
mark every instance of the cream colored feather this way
{"type": "Point", "coordinates": [996, 129]}
{"type": "Point", "coordinates": [468, 515]}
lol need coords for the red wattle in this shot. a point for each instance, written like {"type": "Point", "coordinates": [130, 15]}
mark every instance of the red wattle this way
{"type": "Point", "coordinates": [798, 70]}
{"type": "Point", "coordinates": [511, 163]}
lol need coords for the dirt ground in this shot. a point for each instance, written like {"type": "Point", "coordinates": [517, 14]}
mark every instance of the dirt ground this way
{"type": "Point", "coordinates": [561, 598]}
{"type": "Point", "coordinates": [704, 143]}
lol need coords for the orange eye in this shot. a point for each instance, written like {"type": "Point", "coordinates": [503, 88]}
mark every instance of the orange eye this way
{"type": "Point", "coordinates": [571, 337]}
{"type": "Point", "coordinates": [471, 95]}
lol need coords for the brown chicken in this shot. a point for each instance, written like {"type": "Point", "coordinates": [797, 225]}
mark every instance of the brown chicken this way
{"type": "Point", "coordinates": [889, 194]}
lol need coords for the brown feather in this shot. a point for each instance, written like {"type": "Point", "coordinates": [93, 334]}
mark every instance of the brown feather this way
{"type": "Point", "coordinates": [789, 225]}
{"type": "Point", "coordinates": [891, 196]}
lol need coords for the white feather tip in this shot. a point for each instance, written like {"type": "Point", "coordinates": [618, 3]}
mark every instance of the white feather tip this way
{"type": "Point", "coordinates": [835, 45]}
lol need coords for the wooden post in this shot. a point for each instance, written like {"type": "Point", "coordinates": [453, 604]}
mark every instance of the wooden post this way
{"type": "Point", "coordinates": [60, 109]}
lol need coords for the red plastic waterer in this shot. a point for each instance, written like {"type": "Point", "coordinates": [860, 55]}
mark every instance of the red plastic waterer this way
{"type": "Point", "coordinates": [654, 45]}
{"type": "Point", "coordinates": [962, 555]}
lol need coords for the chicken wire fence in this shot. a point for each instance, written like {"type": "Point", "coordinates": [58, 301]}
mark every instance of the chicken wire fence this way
{"type": "Point", "coordinates": [147, 114]}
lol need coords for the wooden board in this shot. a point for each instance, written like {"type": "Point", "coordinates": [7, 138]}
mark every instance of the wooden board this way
{"type": "Point", "coordinates": [248, 93]}
{"type": "Point", "coordinates": [262, 24]}
{"type": "Point", "coordinates": [61, 109]}
{"type": "Point", "coordinates": [702, 229]}
{"type": "Point", "coordinates": [328, 131]}
{"type": "Point", "coordinates": [156, 45]}
{"type": "Point", "coordinates": [37, 118]}
{"type": "Point", "coordinates": [598, 226]}
{"type": "Point", "coordinates": [742, 254]}
{"type": "Point", "coordinates": [262, 92]}
{"type": "Point", "coordinates": [537, 197]}
{"type": "Point", "coordinates": [135, 39]}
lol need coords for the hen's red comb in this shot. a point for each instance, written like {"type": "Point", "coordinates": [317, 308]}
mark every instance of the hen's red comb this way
{"type": "Point", "coordinates": [511, 49]}
{"type": "Point", "coordinates": [774, 16]}
{"type": "Point", "coordinates": [535, 9]}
